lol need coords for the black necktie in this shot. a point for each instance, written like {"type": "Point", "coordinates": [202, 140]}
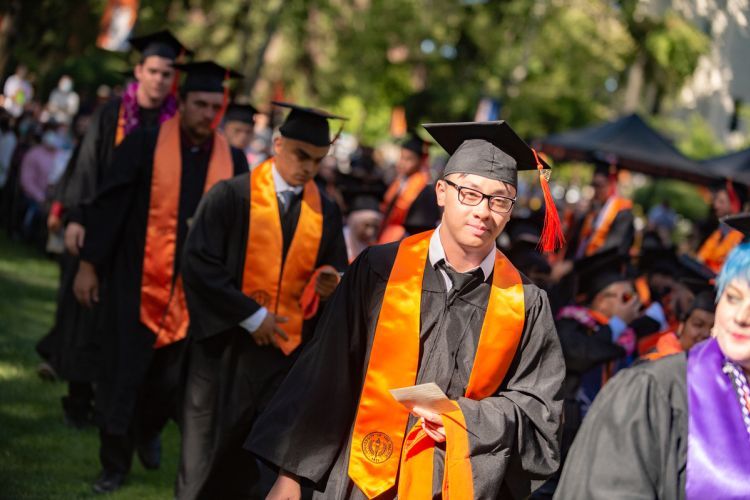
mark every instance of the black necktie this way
{"type": "Point", "coordinates": [285, 200]}
{"type": "Point", "coordinates": [461, 281]}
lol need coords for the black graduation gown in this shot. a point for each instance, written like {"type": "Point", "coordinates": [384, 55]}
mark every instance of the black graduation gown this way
{"type": "Point", "coordinates": [585, 352]}
{"type": "Point", "coordinates": [633, 442]}
{"type": "Point", "coordinates": [513, 436]}
{"type": "Point", "coordinates": [71, 346]}
{"type": "Point", "coordinates": [230, 378]}
{"type": "Point", "coordinates": [621, 234]}
{"type": "Point", "coordinates": [116, 223]}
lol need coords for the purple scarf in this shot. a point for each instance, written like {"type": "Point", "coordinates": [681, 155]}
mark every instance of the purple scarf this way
{"type": "Point", "coordinates": [718, 458]}
{"type": "Point", "coordinates": [131, 116]}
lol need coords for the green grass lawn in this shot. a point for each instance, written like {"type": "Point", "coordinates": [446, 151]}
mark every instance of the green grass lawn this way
{"type": "Point", "coordinates": [41, 458]}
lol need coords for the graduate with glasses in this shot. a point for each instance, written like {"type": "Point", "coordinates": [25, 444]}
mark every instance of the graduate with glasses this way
{"type": "Point", "coordinates": [443, 307]}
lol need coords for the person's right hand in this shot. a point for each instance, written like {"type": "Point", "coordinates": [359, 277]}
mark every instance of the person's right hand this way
{"type": "Point", "coordinates": [286, 487]}
{"type": "Point", "coordinates": [74, 237]}
{"type": "Point", "coordinates": [86, 284]}
{"type": "Point", "coordinates": [269, 329]}
{"type": "Point", "coordinates": [54, 223]}
{"type": "Point", "coordinates": [630, 310]}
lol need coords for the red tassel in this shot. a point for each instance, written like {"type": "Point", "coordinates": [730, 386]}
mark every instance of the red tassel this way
{"type": "Point", "coordinates": [224, 103]}
{"type": "Point", "coordinates": [176, 81]}
{"type": "Point", "coordinates": [552, 236]}
{"type": "Point", "coordinates": [734, 200]}
{"type": "Point", "coordinates": [612, 180]}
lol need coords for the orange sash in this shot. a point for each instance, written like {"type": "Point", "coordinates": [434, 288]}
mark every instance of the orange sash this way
{"type": "Point", "coordinates": [163, 308]}
{"type": "Point", "coordinates": [596, 240]}
{"type": "Point", "coordinates": [715, 249]}
{"type": "Point", "coordinates": [271, 282]}
{"type": "Point", "coordinates": [404, 197]}
{"type": "Point", "coordinates": [378, 436]}
{"type": "Point", "coordinates": [120, 130]}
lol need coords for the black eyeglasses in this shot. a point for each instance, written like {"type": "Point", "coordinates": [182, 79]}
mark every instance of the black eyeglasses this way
{"type": "Point", "coordinates": [472, 197]}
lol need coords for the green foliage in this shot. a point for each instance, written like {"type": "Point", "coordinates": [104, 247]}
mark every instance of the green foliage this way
{"type": "Point", "coordinates": [684, 198]}
{"type": "Point", "coordinates": [675, 46]}
{"type": "Point", "coordinates": [692, 136]}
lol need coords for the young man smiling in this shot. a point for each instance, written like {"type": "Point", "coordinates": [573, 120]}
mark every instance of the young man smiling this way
{"type": "Point", "coordinates": [445, 307]}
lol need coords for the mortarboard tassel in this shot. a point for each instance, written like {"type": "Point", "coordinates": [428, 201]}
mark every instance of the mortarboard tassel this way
{"type": "Point", "coordinates": [552, 236]}
{"type": "Point", "coordinates": [224, 102]}
{"type": "Point", "coordinates": [612, 180]}
{"type": "Point", "coordinates": [176, 80]}
{"type": "Point", "coordinates": [734, 200]}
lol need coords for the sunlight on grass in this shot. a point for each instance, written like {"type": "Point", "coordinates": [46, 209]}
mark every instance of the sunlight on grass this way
{"type": "Point", "coordinates": [41, 458]}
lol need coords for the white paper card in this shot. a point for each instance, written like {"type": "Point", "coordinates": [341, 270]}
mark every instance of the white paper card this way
{"type": "Point", "coordinates": [428, 396]}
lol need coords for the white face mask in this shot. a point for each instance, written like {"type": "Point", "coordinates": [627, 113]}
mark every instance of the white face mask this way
{"type": "Point", "coordinates": [51, 139]}
{"type": "Point", "coordinates": [65, 85]}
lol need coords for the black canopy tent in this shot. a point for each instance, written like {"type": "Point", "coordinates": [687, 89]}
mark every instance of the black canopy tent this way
{"type": "Point", "coordinates": [734, 166]}
{"type": "Point", "coordinates": [631, 144]}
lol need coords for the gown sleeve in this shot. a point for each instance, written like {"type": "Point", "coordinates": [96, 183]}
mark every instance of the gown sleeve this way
{"type": "Point", "coordinates": [310, 417]}
{"type": "Point", "coordinates": [583, 351]}
{"type": "Point", "coordinates": [106, 214]}
{"type": "Point", "coordinates": [518, 428]}
{"type": "Point", "coordinates": [632, 441]}
{"type": "Point", "coordinates": [215, 298]}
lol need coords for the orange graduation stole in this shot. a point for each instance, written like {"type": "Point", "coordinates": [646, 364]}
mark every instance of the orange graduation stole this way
{"type": "Point", "coordinates": [404, 196]}
{"type": "Point", "coordinates": [613, 207]}
{"type": "Point", "coordinates": [163, 308]}
{"type": "Point", "coordinates": [272, 282]}
{"type": "Point", "coordinates": [715, 249]}
{"type": "Point", "coordinates": [120, 130]}
{"type": "Point", "coordinates": [378, 445]}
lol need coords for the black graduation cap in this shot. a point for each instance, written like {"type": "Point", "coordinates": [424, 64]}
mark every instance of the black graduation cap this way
{"type": "Point", "coordinates": [704, 300]}
{"type": "Point", "coordinates": [364, 202]}
{"type": "Point", "coordinates": [739, 222]}
{"type": "Point", "coordinates": [162, 43]}
{"type": "Point", "coordinates": [494, 150]}
{"type": "Point", "coordinates": [307, 124]}
{"type": "Point", "coordinates": [416, 144]}
{"type": "Point", "coordinates": [240, 113]}
{"type": "Point", "coordinates": [205, 76]}
{"type": "Point", "coordinates": [596, 272]}
{"type": "Point", "coordinates": [694, 275]}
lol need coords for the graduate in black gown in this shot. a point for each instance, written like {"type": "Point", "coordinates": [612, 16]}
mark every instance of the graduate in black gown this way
{"type": "Point", "coordinates": [443, 307]}
{"type": "Point", "coordinates": [678, 427]}
{"type": "Point", "coordinates": [595, 335]}
{"type": "Point", "coordinates": [411, 195]}
{"type": "Point", "coordinates": [71, 346]}
{"type": "Point", "coordinates": [240, 350]}
{"type": "Point", "coordinates": [136, 228]}
{"type": "Point", "coordinates": [238, 123]}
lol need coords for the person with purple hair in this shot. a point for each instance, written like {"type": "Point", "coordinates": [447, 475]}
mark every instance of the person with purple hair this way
{"type": "Point", "coordinates": [678, 427]}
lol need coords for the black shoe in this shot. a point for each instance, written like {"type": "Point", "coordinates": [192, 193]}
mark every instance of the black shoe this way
{"type": "Point", "coordinates": [108, 482]}
{"type": "Point", "coordinates": [149, 453]}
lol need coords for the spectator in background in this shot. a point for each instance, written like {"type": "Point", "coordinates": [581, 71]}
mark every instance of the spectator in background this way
{"type": "Point", "coordinates": [362, 225]}
{"type": "Point", "coordinates": [8, 143]}
{"type": "Point", "coordinates": [662, 219]}
{"type": "Point", "coordinates": [18, 91]}
{"type": "Point", "coordinates": [63, 102]}
{"type": "Point", "coordinates": [36, 168]}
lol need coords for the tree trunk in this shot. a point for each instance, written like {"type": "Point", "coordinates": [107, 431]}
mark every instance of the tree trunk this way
{"type": "Point", "coordinates": [634, 86]}
{"type": "Point", "coordinates": [251, 69]}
